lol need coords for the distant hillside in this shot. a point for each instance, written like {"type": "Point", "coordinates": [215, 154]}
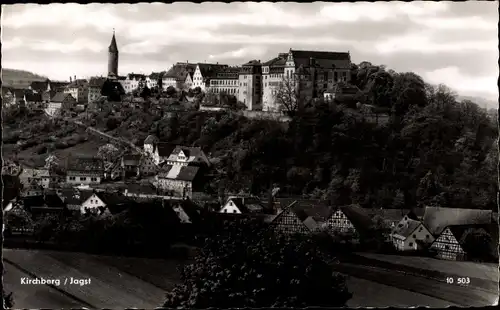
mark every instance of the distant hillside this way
{"type": "Point", "coordinates": [19, 78]}
{"type": "Point", "coordinates": [490, 104]}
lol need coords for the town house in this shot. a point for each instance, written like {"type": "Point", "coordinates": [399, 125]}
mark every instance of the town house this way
{"type": "Point", "coordinates": [131, 165]}
{"type": "Point", "coordinates": [84, 171]}
{"type": "Point", "coordinates": [411, 235]}
{"type": "Point", "coordinates": [250, 88]}
{"type": "Point", "coordinates": [79, 89]}
{"type": "Point", "coordinates": [179, 76]}
{"type": "Point", "coordinates": [204, 73]}
{"type": "Point", "coordinates": [349, 221]}
{"type": "Point", "coordinates": [61, 101]}
{"type": "Point", "coordinates": [288, 222]}
{"type": "Point", "coordinates": [242, 205]}
{"type": "Point", "coordinates": [184, 156]}
{"type": "Point", "coordinates": [158, 151]}
{"type": "Point", "coordinates": [226, 81]}
{"type": "Point", "coordinates": [95, 88]}
{"type": "Point", "coordinates": [176, 180]}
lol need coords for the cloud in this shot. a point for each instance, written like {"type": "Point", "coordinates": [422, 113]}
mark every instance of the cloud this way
{"type": "Point", "coordinates": [244, 52]}
{"type": "Point", "coordinates": [487, 85]}
{"type": "Point", "coordinates": [429, 38]}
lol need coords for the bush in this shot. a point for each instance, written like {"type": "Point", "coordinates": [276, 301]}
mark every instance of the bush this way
{"type": "Point", "coordinates": [247, 266]}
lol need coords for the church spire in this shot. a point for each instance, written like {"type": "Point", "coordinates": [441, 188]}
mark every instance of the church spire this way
{"type": "Point", "coordinates": [113, 48]}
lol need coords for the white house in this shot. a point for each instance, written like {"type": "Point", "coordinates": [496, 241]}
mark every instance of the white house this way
{"type": "Point", "coordinates": [411, 235]}
{"type": "Point", "coordinates": [242, 205]}
{"type": "Point", "coordinates": [92, 203]}
{"type": "Point", "coordinates": [176, 180]}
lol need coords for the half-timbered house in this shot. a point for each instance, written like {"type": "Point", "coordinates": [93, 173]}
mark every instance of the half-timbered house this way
{"type": "Point", "coordinates": [242, 204]}
{"type": "Point", "coordinates": [349, 221]}
{"type": "Point", "coordinates": [288, 222]}
{"type": "Point", "coordinates": [447, 246]}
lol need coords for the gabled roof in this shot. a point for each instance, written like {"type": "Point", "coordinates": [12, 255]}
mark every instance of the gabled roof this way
{"type": "Point", "coordinates": [290, 208]}
{"type": "Point", "coordinates": [253, 63]}
{"type": "Point", "coordinates": [86, 164]}
{"type": "Point", "coordinates": [78, 83]}
{"type": "Point", "coordinates": [307, 207]}
{"type": "Point", "coordinates": [136, 76]}
{"type": "Point", "coordinates": [194, 154]}
{"type": "Point", "coordinates": [210, 70]}
{"type": "Point", "coordinates": [177, 172]}
{"type": "Point", "coordinates": [151, 139]}
{"type": "Point", "coordinates": [39, 86]}
{"type": "Point", "coordinates": [73, 196]}
{"type": "Point", "coordinates": [180, 70]}
{"type": "Point", "coordinates": [33, 97]}
{"type": "Point", "coordinates": [247, 204]}
{"type": "Point", "coordinates": [358, 217]}
{"type": "Point", "coordinates": [113, 199]}
{"type": "Point", "coordinates": [52, 200]}
{"type": "Point", "coordinates": [407, 228]}
{"type": "Point", "coordinates": [191, 209]}
{"type": "Point", "coordinates": [312, 224]}
{"type": "Point", "coordinates": [60, 97]}
{"type": "Point", "coordinates": [436, 219]}
{"type": "Point", "coordinates": [97, 82]}
{"type": "Point", "coordinates": [276, 62]}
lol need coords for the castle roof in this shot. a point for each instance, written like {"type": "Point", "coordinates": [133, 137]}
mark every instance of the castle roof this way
{"type": "Point", "coordinates": [113, 48]}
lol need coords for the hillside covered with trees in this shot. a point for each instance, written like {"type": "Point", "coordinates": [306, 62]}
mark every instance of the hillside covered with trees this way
{"type": "Point", "coordinates": [435, 149]}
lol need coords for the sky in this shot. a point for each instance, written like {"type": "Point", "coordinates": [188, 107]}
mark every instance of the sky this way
{"type": "Point", "coordinates": [454, 43]}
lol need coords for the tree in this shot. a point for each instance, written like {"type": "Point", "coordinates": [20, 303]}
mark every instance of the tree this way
{"type": "Point", "coordinates": [290, 94]}
{"type": "Point", "coordinates": [245, 265]}
{"type": "Point", "coordinates": [171, 91]}
{"type": "Point", "coordinates": [145, 93]}
{"type": "Point", "coordinates": [108, 152]}
{"type": "Point", "coordinates": [478, 244]}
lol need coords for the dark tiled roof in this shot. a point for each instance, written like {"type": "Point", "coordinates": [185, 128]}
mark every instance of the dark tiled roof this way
{"type": "Point", "coordinates": [60, 97]}
{"type": "Point", "coordinates": [39, 86]}
{"type": "Point", "coordinates": [164, 148]}
{"type": "Point", "coordinates": [407, 228]}
{"type": "Point", "coordinates": [97, 82]}
{"type": "Point", "coordinates": [321, 59]}
{"type": "Point", "coordinates": [180, 70]}
{"type": "Point", "coordinates": [358, 217]}
{"type": "Point", "coordinates": [253, 63]}
{"type": "Point", "coordinates": [228, 73]}
{"type": "Point", "coordinates": [151, 139]}
{"type": "Point", "coordinates": [113, 48]}
{"type": "Point", "coordinates": [78, 83]}
{"type": "Point", "coordinates": [195, 152]}
{"type": "Point", "coordinates": [72, 196]}
{"type": "Point", "coordinates": [210, 70]}
{"type": "Point", "coordinates": [138, 188]}
{"type": "Point", "coordinates": [437, 219]}
{"type": "Point", "coordinates": [136, 76]}
{"type": "Point", "coordinates": [131, 159]}
{"type": "Point", "coordinates": [277, 61]}
{"type": "Point", "coordinates": [176, 172]}
{"type": "Point", "coordinates": [52, 200]}
{"type": "Point", "coordinates": [33, 201]}
{"type": "Point", "coordinates": [58, 85]}
{"type": "Point", "coordinates": [192, 210]}
{"type": "Point", "coordinates": [113, 198]}
{"type": "Point", "coordinates": [33, 97]}
{"type": "Point", "coordinates": [248, 204]}
{"type": "Point", "coordinates": [84, 164]}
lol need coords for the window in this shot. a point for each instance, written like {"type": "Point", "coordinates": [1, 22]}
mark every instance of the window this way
{"type": "Point", "coordinates": [447, 247]}
{"type": "Point", "coordinates": [411, 244]}
{"type": "Point", "coordinates": [83, 178]}
{"type": "Point", "coordinates": [93, 179]}
{"type": "Point", "coordinates": [414, 236]}
{"type": "Point", "coordinates": [427, 236]}
{"type": "Point", "coordinates": [72, 178]}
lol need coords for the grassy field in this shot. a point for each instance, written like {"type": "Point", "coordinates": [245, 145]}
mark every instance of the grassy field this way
{"type": "Point", "coordinates": [119, 282]}
{"type": "Point", "coordinates": [486, 271]}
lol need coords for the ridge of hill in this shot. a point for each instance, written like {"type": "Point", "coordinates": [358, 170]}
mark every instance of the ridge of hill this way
{"type": "Point", "coordinates": [19, 78]}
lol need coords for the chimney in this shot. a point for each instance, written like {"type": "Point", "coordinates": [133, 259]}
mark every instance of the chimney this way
{"type": "Point", "coordinates": [75, 78]}
{"type": "Point", "coordinates": [311, 61]}
{"type": "Point", "coordinates": [70, 80]}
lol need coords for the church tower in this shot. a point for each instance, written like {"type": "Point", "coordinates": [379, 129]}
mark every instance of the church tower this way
{"type": "Point", "coordinates": [113, 58]}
